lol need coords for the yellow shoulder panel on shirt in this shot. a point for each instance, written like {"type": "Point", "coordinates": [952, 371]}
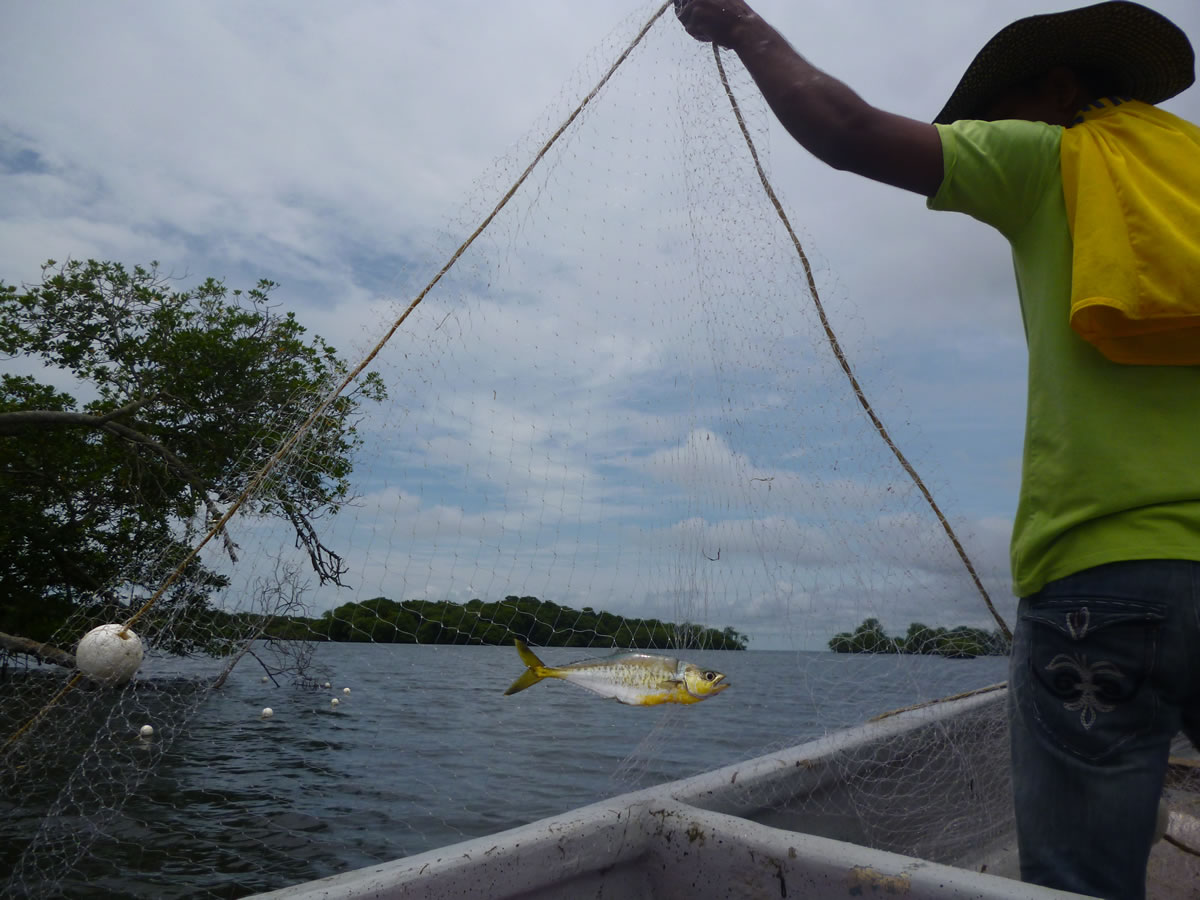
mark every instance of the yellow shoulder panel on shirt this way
{"type": "Point", "coordinates": [1131, 182]}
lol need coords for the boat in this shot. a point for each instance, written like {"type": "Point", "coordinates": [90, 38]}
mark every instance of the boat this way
{"type": "Point", "coordinates": [934, 779]}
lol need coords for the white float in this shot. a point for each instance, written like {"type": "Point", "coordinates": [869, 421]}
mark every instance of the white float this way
{"type": "Point", "coordinates": [109, 654]}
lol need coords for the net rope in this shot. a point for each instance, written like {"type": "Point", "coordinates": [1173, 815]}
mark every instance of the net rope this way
{"type": "Point", "coordinates": [835, 346]}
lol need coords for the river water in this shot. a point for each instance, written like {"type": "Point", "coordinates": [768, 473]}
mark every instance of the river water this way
{"type": "Point", "coordinates": [423, 752]}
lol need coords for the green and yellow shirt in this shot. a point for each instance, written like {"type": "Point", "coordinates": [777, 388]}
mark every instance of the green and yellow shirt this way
{"type": "Point", "coordinates": [1111, 467]}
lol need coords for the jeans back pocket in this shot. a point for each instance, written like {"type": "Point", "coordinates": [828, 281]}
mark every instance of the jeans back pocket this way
{"type": "Point", "coordinates": [1089, 666]}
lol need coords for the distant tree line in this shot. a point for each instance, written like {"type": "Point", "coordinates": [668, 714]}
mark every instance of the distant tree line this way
{"type": "Point", "coordinates": [539, 622]}
{"type": "Point", "coordinates": [869, 637]}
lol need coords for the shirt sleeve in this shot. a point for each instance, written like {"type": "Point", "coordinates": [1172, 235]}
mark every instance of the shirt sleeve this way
{"type": "Point", "coordinates": [998, 172]}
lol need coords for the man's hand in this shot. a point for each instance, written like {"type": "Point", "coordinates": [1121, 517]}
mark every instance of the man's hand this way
{"type": "Point", "coordinates": [722, 22]}
{"type": "Point", "coordinates": [826, 117]}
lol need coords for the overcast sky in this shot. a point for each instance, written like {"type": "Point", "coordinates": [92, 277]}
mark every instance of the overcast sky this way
{"type": "Point", "coordinates": [343, 149]}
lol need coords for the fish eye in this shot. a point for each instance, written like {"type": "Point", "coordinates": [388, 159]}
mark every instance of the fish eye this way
{"type": "Point", "coordinates": [710, 676]}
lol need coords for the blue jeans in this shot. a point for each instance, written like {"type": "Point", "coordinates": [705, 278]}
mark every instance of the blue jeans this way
{"type": "Point", "coordinates": [1105, 671]}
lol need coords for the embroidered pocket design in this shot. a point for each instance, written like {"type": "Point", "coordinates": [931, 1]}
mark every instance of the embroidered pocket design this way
{"type": "Point", "coordinates": [1078, 622]}
{"type": "Point", "coordinates": [1074, 675]}
{"type": "Point", "coordinates": [1083, 666]}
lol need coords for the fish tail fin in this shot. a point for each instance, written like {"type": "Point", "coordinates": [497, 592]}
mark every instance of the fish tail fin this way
{"type": "Point", "coordinates": [532, 675]}
{"type": "Point", "coordinates": [528, 656]}
{"type": "Point", "coordinates": [528, 679]}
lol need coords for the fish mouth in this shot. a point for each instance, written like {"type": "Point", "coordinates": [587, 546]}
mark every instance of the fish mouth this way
{"type": "Point", "coordinates": [709, 689]}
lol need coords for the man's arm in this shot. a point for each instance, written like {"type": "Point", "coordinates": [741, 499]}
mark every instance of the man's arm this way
{"type": "Point", "coordinates": [824, 115]}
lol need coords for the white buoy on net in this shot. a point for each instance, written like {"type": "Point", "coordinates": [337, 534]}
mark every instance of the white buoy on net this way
{"type": "Point", "coordinates": [345, 690]}
{"type": "Point", "coordinates": [267, 712]}
{"type": "Point", "coordinates": [109, 654]}
{"type": "Point", "coordinates": [264, 679]}
{"type": "Point", "coordinates": [327, 684]}
{"type": "Point", "coordinates": [147, 731]}
{"type": "Point", "coordinates": [334, 702]}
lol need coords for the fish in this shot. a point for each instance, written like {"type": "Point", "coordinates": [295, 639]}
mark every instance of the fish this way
{"type": "Point", "coordinates": [635, 679]}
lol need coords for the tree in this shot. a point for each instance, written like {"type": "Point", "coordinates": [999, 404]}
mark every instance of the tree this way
{"type": "Point", "coordinates": [868, 637]}
{"type": "Point", "coordinates": [541, 622]}
{"type": "Point", "coordinates": [919, 639]}
{"type": "Point", "coordinates": [186, 393]}
{"type": "Point", "coordinates": [962, 641]}
{"type": "Point", "coordinates": [732, 639]}
{"type": "Point", "coordinates": [872, 638]}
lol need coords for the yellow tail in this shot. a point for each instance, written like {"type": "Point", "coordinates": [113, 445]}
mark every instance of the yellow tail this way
{"type": "Point", "coordinates": [533, 674]}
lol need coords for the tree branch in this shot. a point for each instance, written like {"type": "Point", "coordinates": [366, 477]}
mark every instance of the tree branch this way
{"type": "Point", "coordinates": [20, 420]}
{"type": "Point", "coordinates": [328, 565]}
{"type": "Point", "coordinates": [12, 423]}
{"type": "Point", "coordinates": [198, 484]}
{"type": "Point", "coordinates": [15, 422]}
{"type": "Point", "coordinates": [129, 408]}
{"type": "Point", "coordinates": [44, 652]}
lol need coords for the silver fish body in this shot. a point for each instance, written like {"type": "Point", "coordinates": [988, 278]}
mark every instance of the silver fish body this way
{"type": "Point", "coordinates": [635, 679]}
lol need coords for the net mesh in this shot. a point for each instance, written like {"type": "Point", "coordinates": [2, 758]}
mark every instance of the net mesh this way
{"type": "Point", "coordinates": [615, 420]}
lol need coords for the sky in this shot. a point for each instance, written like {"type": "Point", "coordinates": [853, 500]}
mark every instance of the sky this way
{"type": "Point", "coordinates": [342, 149]}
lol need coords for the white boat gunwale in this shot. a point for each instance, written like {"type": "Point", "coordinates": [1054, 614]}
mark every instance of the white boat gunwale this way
{"type": "Point", "coordinates": [715, 834]}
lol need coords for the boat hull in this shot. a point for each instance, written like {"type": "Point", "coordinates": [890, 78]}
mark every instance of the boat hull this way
{"type": "Point", "coordinates": [914, 804]}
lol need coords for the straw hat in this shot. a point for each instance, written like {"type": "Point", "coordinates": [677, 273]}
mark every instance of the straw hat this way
{"type": "Point", "coordinates": [1148, 55]}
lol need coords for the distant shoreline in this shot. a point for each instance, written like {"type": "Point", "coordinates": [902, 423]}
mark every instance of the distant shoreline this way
{"type": "Point", "coordinates": [541, 623]}
{"type": "Point", "coordinates": [962, 642]}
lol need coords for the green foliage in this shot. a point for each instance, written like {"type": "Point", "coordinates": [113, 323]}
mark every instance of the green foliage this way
{"type": "Point", "coordinates": [186, 392]}
{"type": "Point", "coordinates": [539, 622]}
{"type": "Point", "coordinates": [869, 637]}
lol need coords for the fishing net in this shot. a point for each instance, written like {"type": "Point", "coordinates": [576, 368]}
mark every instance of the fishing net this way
{"type": "Point", "coordinates": [614, 418]}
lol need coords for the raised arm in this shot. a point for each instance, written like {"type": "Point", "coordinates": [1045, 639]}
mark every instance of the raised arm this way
{"type": "Point", "coordinates": [820, 112]}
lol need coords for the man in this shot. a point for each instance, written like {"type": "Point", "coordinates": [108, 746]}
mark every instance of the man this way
{"type": "Point", "coordinates": [1100, 201]}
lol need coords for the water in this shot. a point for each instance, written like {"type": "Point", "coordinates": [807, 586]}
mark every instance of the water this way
{"type": "Point", "coordinates": [427, 751]}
